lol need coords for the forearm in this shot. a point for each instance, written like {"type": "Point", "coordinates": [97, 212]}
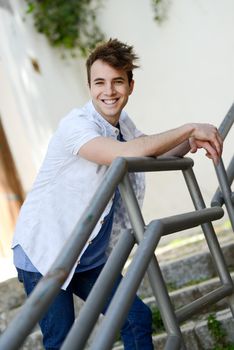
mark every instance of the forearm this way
{"type": "Point", "coordinates": [104, 150]}
{"type": "Point", "coordinates": [172, 142]}
{"type": "Point", "coordinates": [179, 151]}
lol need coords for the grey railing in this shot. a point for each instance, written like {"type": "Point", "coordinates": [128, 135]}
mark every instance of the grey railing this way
{"type": "Point", "coordinates": [224, 194]}
{"type": "Point", "coordinates": [147, 238]}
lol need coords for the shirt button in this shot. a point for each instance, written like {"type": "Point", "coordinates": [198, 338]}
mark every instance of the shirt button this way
{"type": "Point", "coordinates": [78, 262]}
{"type": "Point", "coordinates": [90, 242]}
{"type": "Point", "coordinates": [102, 222]}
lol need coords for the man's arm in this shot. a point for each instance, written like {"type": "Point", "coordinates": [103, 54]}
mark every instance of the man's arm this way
{"type": "Point", "coordinates": [179, 151]}
{"type": "Point", "coordinates": [103, 150]}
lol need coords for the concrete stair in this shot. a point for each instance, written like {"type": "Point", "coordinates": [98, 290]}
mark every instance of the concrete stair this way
{"type": "Point", "coordinates": [191, 273]}
{"type": "Point", "coordinates": [188, 270]}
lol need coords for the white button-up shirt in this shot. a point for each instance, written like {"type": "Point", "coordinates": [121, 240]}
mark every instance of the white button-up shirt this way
{"type": "Point", "coordinates": [64, 186]}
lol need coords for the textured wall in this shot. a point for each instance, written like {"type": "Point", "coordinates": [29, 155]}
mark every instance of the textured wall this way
{"type": "Point", "coordinates": [186, 74]}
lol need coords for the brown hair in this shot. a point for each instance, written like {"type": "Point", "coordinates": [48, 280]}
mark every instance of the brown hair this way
{"type": "Point", "coordinates": [116, 54]}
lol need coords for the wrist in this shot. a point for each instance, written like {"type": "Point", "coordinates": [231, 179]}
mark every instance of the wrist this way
{"type": "Point", "coordinates": [189, 129]}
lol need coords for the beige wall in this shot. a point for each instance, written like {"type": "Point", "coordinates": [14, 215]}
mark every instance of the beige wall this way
{"type": "Point", "coordinates": [186, 74]}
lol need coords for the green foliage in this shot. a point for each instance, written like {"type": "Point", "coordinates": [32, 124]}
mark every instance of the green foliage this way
{"type": "Point", "coordinates": [219, 334]}
{"type": "Point", "coordinates": [67, 24]}
{"type": "Point", "coordinates": [71, 24]}
{"type": "Point", "coordinates": [160, 8]}
{"type": "Point", "coordinates": [157, 323]}
{"type": "Point", "coordinates": [171, 286]}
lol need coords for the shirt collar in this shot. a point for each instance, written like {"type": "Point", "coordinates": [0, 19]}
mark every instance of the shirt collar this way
{"type": "Point", "coordinates": [103, 121]}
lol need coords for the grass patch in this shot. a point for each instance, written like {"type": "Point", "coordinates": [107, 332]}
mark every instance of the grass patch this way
{"type": "Point", "coordinates": [219, 334]}
{"type": "Point", "coordinates": [157, 324]}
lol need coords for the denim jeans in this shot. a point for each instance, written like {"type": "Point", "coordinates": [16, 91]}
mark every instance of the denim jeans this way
{"type": "Point", "coordinates": [136, 332]}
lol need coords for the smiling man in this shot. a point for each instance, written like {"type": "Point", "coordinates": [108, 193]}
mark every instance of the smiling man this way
{"type": "Point", "coordinates": [86, 141]}
{"type": "Point", "coordinates": [109, 89]}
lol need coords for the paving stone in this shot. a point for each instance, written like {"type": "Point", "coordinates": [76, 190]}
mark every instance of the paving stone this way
{"type": "Point", "coordinates": [11, 294]}
{"type": "Point", "coordinates": [196, 334]}
{"type": "Point", "coordinates": [33, 342]}
{"type": "Point", "coordinates": [186, 270]}
{"type": "Point", "coordinates": [6, 317]}
{"type": "Point", "coordinates": [189, 338]}
{"type": "Point", "coordinates": [192, 268]}
{"type": "Point", "coordinates": [204, 337]}
{"type": "Point", "coordinates": [176, 273]}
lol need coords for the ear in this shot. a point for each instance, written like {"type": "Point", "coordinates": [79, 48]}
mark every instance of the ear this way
{"type": "Point", "coordinates": [131, 86]}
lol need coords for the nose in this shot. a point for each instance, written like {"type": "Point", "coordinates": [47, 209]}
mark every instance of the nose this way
{"type": "Point", "coordinates": [109, 89]}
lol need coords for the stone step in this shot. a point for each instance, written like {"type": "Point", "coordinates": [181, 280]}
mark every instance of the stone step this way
{"type": "Point", "coordinates": [186, 295]}
{"type": "Point", "coordinates": [190, 269]}
{"type": "Point", "coordinates": [179, 298]}
{"type": "Point", "coordinates": [196, 334]}
{"type": "Point", "coordinates": [33, 341]}
{"type": "Point", "coordinates": [11, 294]}
{"type": "Point", "coordinates": [177, 273]}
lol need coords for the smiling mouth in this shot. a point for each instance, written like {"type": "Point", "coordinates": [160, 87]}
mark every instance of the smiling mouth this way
{"type": "Point", "coordinates": [110, 102]}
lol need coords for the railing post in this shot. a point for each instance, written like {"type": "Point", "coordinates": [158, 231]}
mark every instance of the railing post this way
{"type": "Point", "coordinates": [226, 190]}
{"type": "Point", "coordinates": [36, 305]}
{"type": "Point", "coordinates": [166, 309]}
{"type": "Point", "coordinates": [97, 298]}
{"type": "Point", "coordinates": [209, 233]}
{"type": "Point", "coordinates": [217, 199]}
{"type": "Point", "coordinates": [126, 291]}
{"type": "Point", "coordinates": [48, 287]}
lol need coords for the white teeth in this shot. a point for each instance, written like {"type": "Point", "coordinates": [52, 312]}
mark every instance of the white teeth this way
{"type": "Point", "coordinates": [109, 102]}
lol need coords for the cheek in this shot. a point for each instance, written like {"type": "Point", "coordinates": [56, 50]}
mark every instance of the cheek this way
{"type": "Point", "coordinates": [94, 92]}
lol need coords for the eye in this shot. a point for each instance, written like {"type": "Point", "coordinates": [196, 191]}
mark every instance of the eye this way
{"type": "Point", "coordinates": [119, 82]}
{"type": "Point", "coordinates": [99, 83]}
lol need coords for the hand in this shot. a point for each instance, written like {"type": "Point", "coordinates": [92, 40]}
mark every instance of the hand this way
{"type": "Point", "coordinates": [211, 151]}
{"type": "Point", "coordinates": [208, 132]}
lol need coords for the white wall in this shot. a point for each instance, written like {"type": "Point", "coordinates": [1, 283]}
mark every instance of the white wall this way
{"type": "Point", "coordinates": [31, 103]}
{"type": "Point", "coordinates": [186, 74]}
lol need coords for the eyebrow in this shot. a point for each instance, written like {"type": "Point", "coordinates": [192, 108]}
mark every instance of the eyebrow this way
{"type": "Point", "coordinates": [97, 79]}
{"type": "Point", "coordinates": [102, 79]}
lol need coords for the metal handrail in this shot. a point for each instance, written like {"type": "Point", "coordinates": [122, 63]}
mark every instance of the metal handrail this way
{"type": "Point", "coordinates": [49, 286]}
{"type": "Point", "coordinates": [129, 285]}
{"type": "Point", "coordinates": [147, 238]}
{"type": "Point", "coordinates": [227, 123]}
{"type": "Point", "coordinates": [218, 199]}
{"type": "Point", "coordinates": [96, 301]}
{"type": "Point", "coordinates": [224, 194]}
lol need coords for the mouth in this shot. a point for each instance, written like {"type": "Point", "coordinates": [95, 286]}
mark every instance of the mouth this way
{"type": "Point", "coordinates": [110, 102]}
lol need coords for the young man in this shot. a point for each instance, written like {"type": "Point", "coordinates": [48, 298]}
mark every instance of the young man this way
{"type": "Point", "coordinates": [85, 143]}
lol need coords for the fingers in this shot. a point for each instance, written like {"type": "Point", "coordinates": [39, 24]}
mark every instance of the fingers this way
{"type": "Point", "coordinates": [208, 132]}
{"type": "Point", "coordinates": [207, 136]}
{"type": "Point", "coordinates": [211, 151]}
{"type": "Point", "coordinates": [211, 134]}
{"type": "Point", "coordinates": [192, 144]}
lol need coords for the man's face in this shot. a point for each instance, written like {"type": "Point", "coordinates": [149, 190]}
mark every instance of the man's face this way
{"type": "Point", "coordinates": [109, 89]}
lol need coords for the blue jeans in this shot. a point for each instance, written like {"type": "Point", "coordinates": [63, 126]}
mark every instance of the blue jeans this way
{"type": "Point", "coordinates": [136, 332]}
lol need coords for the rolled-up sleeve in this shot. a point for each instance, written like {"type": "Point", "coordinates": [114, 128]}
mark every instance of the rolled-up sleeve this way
{"type": "Point", "coordinates": [76, 130]}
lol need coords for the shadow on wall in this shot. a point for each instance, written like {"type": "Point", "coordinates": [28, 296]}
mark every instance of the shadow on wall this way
{"type": "Point", "coordinates": [11, 195]}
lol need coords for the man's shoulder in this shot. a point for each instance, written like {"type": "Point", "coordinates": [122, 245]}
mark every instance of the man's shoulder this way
{"type": "Point", "coordinates": [128, 127]}
{"type": "Point", "coordinates": [78, 116]}
{"type": "Point", "coordinates": [126, 121]}
{"type": "Point", "coordinates": [125, 118]}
